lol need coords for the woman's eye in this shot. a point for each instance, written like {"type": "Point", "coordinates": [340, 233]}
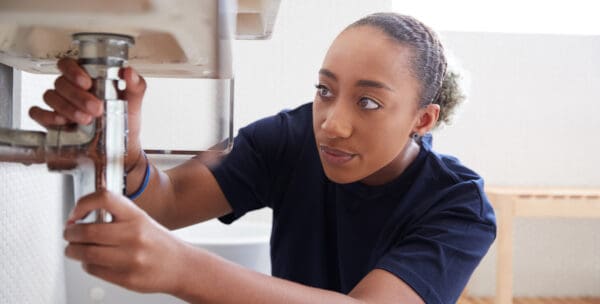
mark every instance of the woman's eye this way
{"type": "Point", "coordinates": [368, 104]}
{"type": "Point", "coordinates": [323, 91]}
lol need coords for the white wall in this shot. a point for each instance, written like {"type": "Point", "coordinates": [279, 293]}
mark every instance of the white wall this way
{"type": "Point", "coordinates": [532, 120]}
{"type": "Point", "coordinates": [532, 117]}
{"type": "Point", "coordinates": [31, 222]}
{"type": "Point", "coordinates": [31, 262]}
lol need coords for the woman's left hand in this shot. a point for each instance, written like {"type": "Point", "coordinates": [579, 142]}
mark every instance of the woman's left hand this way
{"type": "Point", "coordinates": [133, 251]}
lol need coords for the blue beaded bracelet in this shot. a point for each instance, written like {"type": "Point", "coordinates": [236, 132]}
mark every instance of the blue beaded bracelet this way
{"type": "Point", "coordinates": [140, 190]}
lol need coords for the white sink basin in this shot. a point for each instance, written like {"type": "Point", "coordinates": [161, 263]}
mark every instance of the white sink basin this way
{"type": "Point", "coordinates": [245, 243]}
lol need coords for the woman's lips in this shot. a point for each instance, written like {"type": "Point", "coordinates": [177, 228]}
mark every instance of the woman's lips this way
{"type": "Point", "coordinates": [335, 156]}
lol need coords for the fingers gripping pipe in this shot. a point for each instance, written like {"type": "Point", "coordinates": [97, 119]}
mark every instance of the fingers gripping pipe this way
{"type": "Point", "coordinates": [93, 153]}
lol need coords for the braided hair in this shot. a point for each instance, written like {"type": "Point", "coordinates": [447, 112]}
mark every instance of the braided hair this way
{"type": "Point", "coordinates": [428, 62]}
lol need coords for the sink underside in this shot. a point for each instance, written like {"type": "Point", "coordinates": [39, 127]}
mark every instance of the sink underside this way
{"type": "Point", "coordinates": [174, 38]}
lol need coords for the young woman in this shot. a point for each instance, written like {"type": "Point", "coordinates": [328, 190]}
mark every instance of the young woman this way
{"type": "Point", "coordinates": [363, 210]}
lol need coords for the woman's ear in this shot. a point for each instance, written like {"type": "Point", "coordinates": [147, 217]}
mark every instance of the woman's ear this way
{"type": "Point", "coordinates": [428, 117]}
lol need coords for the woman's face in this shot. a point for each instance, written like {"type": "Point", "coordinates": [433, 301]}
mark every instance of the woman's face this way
{"type": "Point", "coordinates": [365, 107]}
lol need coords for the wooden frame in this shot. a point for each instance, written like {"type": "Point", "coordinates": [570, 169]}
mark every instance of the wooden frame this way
{"type": "Point", "coordinates": [548, 202]}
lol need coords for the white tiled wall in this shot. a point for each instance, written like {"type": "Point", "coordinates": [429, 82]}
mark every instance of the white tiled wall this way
{"type": "Point", "coordinates": [31, 247]}
{"type": "Point", "coordinates": [32, 209]}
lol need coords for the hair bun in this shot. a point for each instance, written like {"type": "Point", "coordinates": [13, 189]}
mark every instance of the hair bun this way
{"type": "Point", "coordinates": [450, 97]}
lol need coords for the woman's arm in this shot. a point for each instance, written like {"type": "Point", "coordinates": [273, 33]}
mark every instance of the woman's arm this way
{"type": "Point", "coordinates": [211, 279]}
{"type": "Point", "coordinates": [140, 255]}
{"type": "Point", "coordinates": [184, 195]}
{"type": "Point", "coordinates": [179, 197]}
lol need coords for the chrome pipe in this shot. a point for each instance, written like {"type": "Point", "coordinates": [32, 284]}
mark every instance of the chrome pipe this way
{"type": "Point", "coordinates": [94, 154]}
{"type": "Point", "coordinates": [102, 55]}
{"type": "Point", "coordinates": [25, 147]}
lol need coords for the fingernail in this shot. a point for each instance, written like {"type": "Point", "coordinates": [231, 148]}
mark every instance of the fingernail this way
{"type": "Point", "coordinates": [71, 217]}
{"type": "Point", "coordinates": [135, 78]}
{"type": "Point", "coordinates": [82, 117]}
{"type": "Point", "coordinates": [81, 81]}
{"type": "Point", "coordinates": [91, 107]}
{"type": "Point", "coordinates": [59, 120]}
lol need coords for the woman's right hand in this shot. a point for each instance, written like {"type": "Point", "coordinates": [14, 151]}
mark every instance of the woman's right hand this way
{"type": "Point", "coordinates": [72, 103]}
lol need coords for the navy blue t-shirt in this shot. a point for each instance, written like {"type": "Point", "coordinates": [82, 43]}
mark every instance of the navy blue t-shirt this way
{"type": "Point", "coordinates": [430, 226]}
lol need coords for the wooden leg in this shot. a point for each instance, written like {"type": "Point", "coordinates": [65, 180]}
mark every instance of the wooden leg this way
{"type": "Point", "coordinates": [504, 242]}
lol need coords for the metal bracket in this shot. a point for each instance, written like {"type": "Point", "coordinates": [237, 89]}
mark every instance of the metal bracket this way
{"type": "Point", "coordinates": [6, 96]}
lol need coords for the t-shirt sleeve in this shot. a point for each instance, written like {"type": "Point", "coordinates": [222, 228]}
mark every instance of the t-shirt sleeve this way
{"type": "Point", "coordinates": [439, 254]}
{"type": "Point", "coordinates": [247, 174]}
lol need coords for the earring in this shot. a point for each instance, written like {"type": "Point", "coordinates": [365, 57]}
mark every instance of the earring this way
{"type": "Point", "coordinates": [415, 136]}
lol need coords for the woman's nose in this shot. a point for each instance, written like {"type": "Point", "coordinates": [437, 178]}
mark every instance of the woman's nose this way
{"type": "Point", "coordinates": [337, 123]}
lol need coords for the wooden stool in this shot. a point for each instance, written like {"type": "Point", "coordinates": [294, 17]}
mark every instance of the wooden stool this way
{"type": "Point", "coordinates": [549, 202]}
